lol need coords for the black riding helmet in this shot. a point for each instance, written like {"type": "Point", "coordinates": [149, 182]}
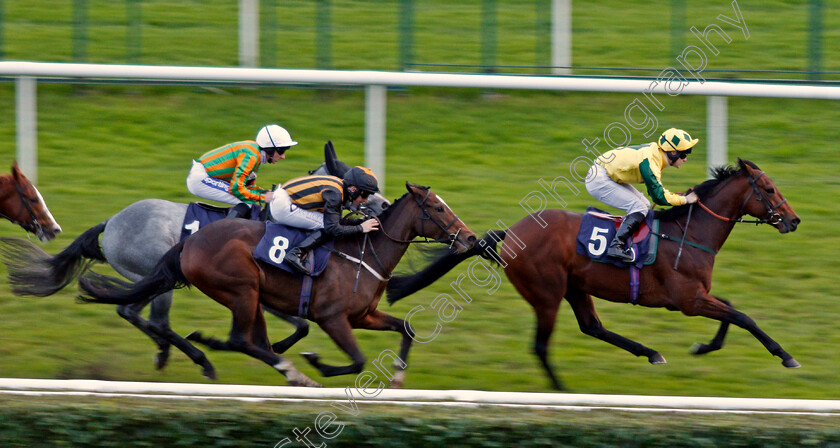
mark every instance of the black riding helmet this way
{"type": "Point", "coordinates": [363, 179]}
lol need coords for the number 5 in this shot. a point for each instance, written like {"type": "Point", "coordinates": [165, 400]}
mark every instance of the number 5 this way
{"type": "Point", "coordinates": [598, 238]}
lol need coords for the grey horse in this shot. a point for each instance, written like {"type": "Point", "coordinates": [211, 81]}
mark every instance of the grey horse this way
{"type": "Point", "coordinates": [132, 242]}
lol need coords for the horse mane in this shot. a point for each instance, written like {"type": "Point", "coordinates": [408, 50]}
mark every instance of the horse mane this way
{"type": "Point", "coordinates": [719, 175]}
{"type": "Point", "coordinates": [387, 212]}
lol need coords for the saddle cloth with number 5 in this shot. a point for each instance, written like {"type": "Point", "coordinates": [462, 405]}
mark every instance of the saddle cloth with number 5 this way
{"type": "Point", "coordinates": [278, 239]}
{"type": "Point", "coordinates": [597, 229]}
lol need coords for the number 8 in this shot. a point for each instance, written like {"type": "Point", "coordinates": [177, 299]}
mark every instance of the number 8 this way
{"type": "Point", "coordinates": [280, 245]}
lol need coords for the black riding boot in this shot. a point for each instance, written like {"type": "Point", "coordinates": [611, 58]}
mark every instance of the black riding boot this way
{"type": "Point", "coordinates": [621, 246]}
{"type": "Point", "coordinates": [240, 210]}
{"type": "Point", "coordinates": [295, 256]}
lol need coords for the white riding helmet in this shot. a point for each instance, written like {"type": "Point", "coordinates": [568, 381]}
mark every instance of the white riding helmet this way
{"type": "Point", "coordinates": [273, 136]}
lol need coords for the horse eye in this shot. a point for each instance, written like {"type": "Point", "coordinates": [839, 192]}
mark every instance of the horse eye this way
{"type": "Point", "coordinates": [770, 190]}
{"type": "Point", "coordinates": [440, 209]}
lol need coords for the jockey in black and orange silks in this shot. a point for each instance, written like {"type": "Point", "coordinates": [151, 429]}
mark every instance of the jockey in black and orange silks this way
{"type": "Point", "coordinates": [316, 203]}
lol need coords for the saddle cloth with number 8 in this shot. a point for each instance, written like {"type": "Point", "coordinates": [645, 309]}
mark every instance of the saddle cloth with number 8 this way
{"type": "Point", "coordinates": [278, 239]}
{"type": "Point", "coordinates": [597, 229]}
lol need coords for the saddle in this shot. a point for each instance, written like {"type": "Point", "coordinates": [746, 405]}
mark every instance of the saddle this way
{"type": "Point", "coordinates": [638, 235]}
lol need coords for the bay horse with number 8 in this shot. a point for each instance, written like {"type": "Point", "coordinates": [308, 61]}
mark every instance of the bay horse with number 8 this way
{"type": "Point", "coordinates": [544, 267]}
{"type": "Point", "coordinates": [219, 261]}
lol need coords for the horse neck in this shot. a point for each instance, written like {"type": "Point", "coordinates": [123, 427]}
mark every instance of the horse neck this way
{"type": "Point", "coordinates": [399, 224]}
{"type": "Point", "coordinates": [7, 190]}
{"type": "Point", "coordinates": [726, 202]}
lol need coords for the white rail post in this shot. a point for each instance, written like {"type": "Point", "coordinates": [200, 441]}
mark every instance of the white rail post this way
{"type": "Point", "coordinates": [716, 131]}
{"type": "Point", "coordinates": [375, 104]}
{"type": "Point", "coordinates": [561, 36]}
{"type": "Point", "coordinates": [27, 130]}
{"type": "Point", "coordinates": [249, 32]}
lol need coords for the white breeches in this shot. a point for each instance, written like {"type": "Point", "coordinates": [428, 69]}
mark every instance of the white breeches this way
{"type": "Point", "coordinates": [284, 211]}
{"type": "Point", "coordinates": [621, 196]}
{"type": "Point", "coordinates": [202, 185]}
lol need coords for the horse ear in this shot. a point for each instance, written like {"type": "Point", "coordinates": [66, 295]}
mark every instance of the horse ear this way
{"type": "Point", "coordinates": [16, 172]}
{"type": "Point", "coordinates": [335, 167]}
{"type": "Point", "coordinates": [744, 165]}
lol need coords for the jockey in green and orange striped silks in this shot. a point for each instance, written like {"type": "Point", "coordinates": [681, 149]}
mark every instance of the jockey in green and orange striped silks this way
{"type": "Point", "coordinates": [228, 174]}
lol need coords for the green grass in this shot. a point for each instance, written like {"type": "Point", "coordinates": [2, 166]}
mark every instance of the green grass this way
{"type": "Point", "coordinates": [104, 147]}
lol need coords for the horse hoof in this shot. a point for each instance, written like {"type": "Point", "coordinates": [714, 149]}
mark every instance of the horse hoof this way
{"type": "Point", "coordinates": [160, 360]}
{"type": "Point", "coordinates": [194, 336]}
{"type": "Point", "coordinates": [698, 349]}
{"type": "Point", "coordinates": [656, 358]}
{"type": "Point", "coordinates": [791, 363]}
{"type": "Point", "coordinates": [209, 373]}
{"type": "Point", "coordinates": [313, 358]}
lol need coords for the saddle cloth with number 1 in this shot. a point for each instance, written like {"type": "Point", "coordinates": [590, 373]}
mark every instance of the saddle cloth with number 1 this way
{"type": "Point", "coordinates": [597, 229]}
{"type": "Point", "coordinates": [278, 239]}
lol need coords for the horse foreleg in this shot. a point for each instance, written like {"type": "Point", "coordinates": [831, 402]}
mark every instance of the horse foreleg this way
{"type": "Point", "coordinates": [717, 342]}
{"type": "Point", "coordinates": [341, 333]}
{"type": "Point", "coordinates": [709, 306]}
{"type": "Point", "coordinates": [381, 321]}
{"type": "Point", "coordinates": [301, 330]}
{"type": "Point", "coordinates": [589, 324]}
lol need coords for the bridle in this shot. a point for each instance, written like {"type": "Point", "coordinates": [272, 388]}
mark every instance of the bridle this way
{"type": "Point", "coordinates": [31, 226]}
{"type": "Point", "coordinates": [446, 235]}
{"type": "Point", "coordinates": [772, 217]}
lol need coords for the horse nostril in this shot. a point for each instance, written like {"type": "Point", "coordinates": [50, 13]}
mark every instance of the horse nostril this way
{"type": "Point", "coordinates": [385, 205]}
{"type": "Point", "coordinates": [471, 239]}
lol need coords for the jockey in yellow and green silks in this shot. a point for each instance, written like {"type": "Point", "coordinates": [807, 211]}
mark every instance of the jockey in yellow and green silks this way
{"type": "Point", "coordinates": [611, 177]}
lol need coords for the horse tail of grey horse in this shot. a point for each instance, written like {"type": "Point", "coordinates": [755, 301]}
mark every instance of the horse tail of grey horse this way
{"type": "Point", "coordinates": [403, 286]}
{"type": "Point", "coordinates": [166, 276]}
{"type": "Point", "coordinates": [33, 272]}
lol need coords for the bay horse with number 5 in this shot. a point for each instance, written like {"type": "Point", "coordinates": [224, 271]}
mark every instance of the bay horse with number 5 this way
{"type": "Point", "coordinates": [22, 204]}
{"type": "Point", "coordinates": [543, 265]}
{"type": "Point", "coordinates": [219, 261]}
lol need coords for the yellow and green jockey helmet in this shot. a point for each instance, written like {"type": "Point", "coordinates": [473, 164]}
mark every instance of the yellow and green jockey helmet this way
{"type": "Point", "coordinates": [676, 140]}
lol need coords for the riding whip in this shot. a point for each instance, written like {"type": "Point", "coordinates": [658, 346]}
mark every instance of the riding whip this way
{"type": "Point", "coordinates": [361, 258]}
{"type": "Point", "coordinates": [685, 232]}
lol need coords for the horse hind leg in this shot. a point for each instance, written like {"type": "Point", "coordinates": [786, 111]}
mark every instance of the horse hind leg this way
{"type": "Point", "coordinates": [248, 324]}
{"type": "Point", "coordinates": [546, 318]}
{"type": "Point", "coordinates": [717, 342]}
{"type": "Point", "coordinates": [164, 336]}
{"type": "Point", "coordinates": [589, 324]}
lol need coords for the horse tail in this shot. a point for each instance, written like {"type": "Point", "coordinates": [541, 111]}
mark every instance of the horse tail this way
{"type": "Point", "coordinates": [403, 286]}
{"type": "Point", "coordinates": [33, 272]}
{"type": "Point", "coordinates": [166, 276]}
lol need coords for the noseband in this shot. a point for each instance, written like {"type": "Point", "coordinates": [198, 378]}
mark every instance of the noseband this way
{"type": "Point", "coordinates": [772, 217]}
